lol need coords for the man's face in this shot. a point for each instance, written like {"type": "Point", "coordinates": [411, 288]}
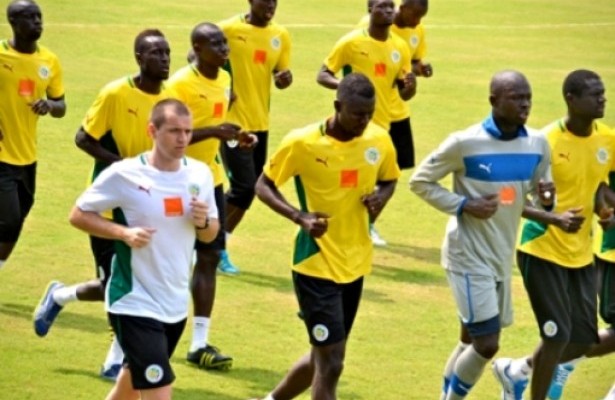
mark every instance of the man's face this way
{"type": "Point", "coordinates": [26, 20]}
{"type": "Point", "coordinates": [590, 104]}
{"type": "Point", "coordinates": [155, 58]}
{"type": "Point", "coordinates": [513, 102]}
{"type": "Point", "coordinates": [412, 13]}
{"type": "Point", "coordinates": [214, 49]}
{"type": "Point", "coordinates": [354, 114]}
{"type": "Point", "coordinates": [173, 136]}
{"type": "Point", "coordinates": [383, 12]}
{"type": "Point", "coordinates": [263, 9]}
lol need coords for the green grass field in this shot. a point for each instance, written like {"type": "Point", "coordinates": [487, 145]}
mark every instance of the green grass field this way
{"type": "Point", "coordinates": [407, 324]}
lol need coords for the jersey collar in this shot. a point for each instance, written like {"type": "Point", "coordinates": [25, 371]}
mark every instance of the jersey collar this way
{"type": "Point", "coordinates": [491, 127]}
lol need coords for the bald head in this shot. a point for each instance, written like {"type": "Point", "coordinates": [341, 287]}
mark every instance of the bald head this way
{"type": "Point", "coordinates": [504, 80]}
{"type": "Point", "coordinates": [16, 7]}
{"type": "Point", "coordinates": [511, 100]}
{"type": "Point", "coordinates": [202, 31]}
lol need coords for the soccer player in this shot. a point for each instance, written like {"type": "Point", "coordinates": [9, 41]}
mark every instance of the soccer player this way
{"type": "Point", "coordinates": [206, 89]}
{"type": "Point", "coordinates": [114, 128]}
{"type": "Point", "coordinates": [32, 86]}
{"type": "Point", "coordinates": [385, 59]}
{"type": "Point", "coordinates": [495, 165]}
{"type": "Point", "coordinates": [336, 164]}
{"type": "Point", "coordinates": [159, 197]}
{"type": "Point", "coordinates": [260, 53]}
{"type": "Point", "coordinates": [556, 262]}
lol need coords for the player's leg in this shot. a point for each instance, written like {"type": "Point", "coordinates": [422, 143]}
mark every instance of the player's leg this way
{"type": "Point", "coordinates": [203, 289]}
{"type": "Point", "coordinates": [464, 342]}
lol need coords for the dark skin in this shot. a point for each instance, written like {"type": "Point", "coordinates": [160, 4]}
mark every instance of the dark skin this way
{"type": "Point", "coordinates": [26, 22]}
{"type": "Point", "coordinates": [322, 366]}
{"type": "Point", "coordinates": [260, 15]}
{"type": "Point", "coordinates": [381, 19]}
{"type": "Point", "coordinates": [583, 110]}
{"type": "Point", "coordinates": [153, 59]}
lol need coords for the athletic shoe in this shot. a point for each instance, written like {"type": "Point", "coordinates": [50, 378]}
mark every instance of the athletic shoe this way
{"type": "Point", "coordinates": [611, 394]}
{"type": "Point", "coordinates": [377, 240]}
{"type": "Point", "coordinates": [225, 265]}
{"type": "Point", "coordinates": [512, 389]}
{"type": "Point", "coordinates": [209, 357]}
{"type": "Point", "coordinates": [562, 372]}
{"type": "Point", "coordinates": [111, 373]}
{"type": "Point", "coordinates": [47, 309]}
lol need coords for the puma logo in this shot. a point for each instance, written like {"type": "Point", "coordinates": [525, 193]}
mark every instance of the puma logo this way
{"type": "Point", "coordinates": [7, 66]}
{"type": "Point", "coordinates": [243, 39]}
{"type": "Point", "coordinates": [202, 96]}
{"type": "Point", "coordinates": [323, 161]}
{"type": "Point", "coordinates": [565, 156]}
{"type": "Point", "coordinates": [134, 112]}
{"type": "Point", "coordinates": [364, 53]}
{"type": "Point", "coordinates": [486, 167]}
{"type": "Point", "coordinates": [144, 189]}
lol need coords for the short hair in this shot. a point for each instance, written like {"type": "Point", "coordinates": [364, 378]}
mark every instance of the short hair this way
{"type": "Point", "coordinates": [13, 7]}
{"type": "Point", "coordinates": [576, 81]}
{"type": "Point", "coordinates": [422, 3]}
{"type": "Point", "coordinates": [140, 39]}
{"type": "Point", "coordinates": [159, 113]}
{"type": "Point", "coordinates": [198, 32]}
{"type": "Point", "coordinates": [355, 84]}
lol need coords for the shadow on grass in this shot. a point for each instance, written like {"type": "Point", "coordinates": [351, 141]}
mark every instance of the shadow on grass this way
{"type": "Point", "coordinates": [282, 284]}
{"type": "Point", "coordinates": [429, 255]}
{"type": "Point", "coordinates": [434, 276]}
{"type": "Point", "coordinates": [66, 319]}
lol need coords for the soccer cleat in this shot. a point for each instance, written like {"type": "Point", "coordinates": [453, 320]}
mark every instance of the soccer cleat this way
{"type": "Point", "coordinates": [225, 265]}
{"type": "Point", "coordinates": [611, 394]}
{"type": "Point", "coordinates": [512, 389]}
{"type": "Point", "coordinates": [209, 357]}
{"type": "Point", "coordinates": [377, 240]}
{"type": "Point", "coordinates": [47, 309]}
{"type": "Point", "coordinates": [111, 373]}
{"type": "Point", "coordinates": [562, 372]}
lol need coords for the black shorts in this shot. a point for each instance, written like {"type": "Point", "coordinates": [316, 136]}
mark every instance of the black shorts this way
{"type": "Point", "coordinates": [148, 345]}
{"type": "Point", "coordinates": [17, 189]}
{"type": "Point", "coordinates": [243, 167]}
{"type": "Point", "coordinates": [103, 251]}
{"type": "Point", "coordinates": [219, 242]}
{"type": "Point", "coordinates": [563, 299]}
{"type": "Point", "coordinates": [606, 289]}
{"type": "Point", "coordinates": [401, 135]}
{"type": "Point", "coordinates": [328, 309]}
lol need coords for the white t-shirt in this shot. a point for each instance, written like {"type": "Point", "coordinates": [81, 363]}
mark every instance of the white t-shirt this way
{"type": "Point", "coordinates": [151, 281]}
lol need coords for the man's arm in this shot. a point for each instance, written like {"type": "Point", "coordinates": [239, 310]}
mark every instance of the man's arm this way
{"type": "Point", "coordinates": [327, 78]}
{"type": "Point", "coordinates": [315, 223]}
{"type": "Point", "coordinates": [375, 201]}
{"type": "Point", "coordinates": [407, 86]}
{"type": "Point", "coordinates": [95, 225]}
{"type": "Point", "coordinates": [93, 147]}
{"type": "Point", "coordinates": [282, 79]}
{"type": "Point", "coordinates": [56, 107]}
{"type": "Point", "coordinates": [568, 221]}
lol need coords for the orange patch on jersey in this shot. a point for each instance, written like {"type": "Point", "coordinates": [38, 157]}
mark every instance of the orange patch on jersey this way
{"type": "Point", "coordinates": [218, 110]}
{"type": "Point", "coordinates": [380, 69]}
{"type": "Point", "coordinates": [173, 207]}
{"type": "Point", "coordinates": [26, 88]}
{"type": "Point", "coordinates": [508, 194]}
{"type": "Point", "coordinates": [349, 178]}
{"type": "Point", "coordinates": [260, 56]}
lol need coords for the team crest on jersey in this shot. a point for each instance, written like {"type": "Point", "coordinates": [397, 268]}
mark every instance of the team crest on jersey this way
{"type": "Point", "coordinates": [395, 56]}
{"type": "Point", "coordinates": [320, 332]}
{"type": "Point", "coordinates": [276, 43]}
{"type": "Point", "coordinates": [194, 189]}
{"type": "Point", "coordinates": [602, 155]}
{"type": "Point", "coordinates": [154, 373]}
{"type": "Point", "coordinates": [43, 72]}
{"type": "Point", "coordinates": [372, 155]}
{"type": "Point", "coordinates": [414, 41]}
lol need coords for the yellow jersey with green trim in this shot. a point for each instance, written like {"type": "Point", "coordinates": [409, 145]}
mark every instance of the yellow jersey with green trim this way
{"type": "Point", "coordinates": [415, 38]}
{"type": "Point", "coordinates": [331, 177]}
{"type": "Point", "coordinates": [383, 62]}
{"type": "Point", "coordinates": [256, 53]}
{"type": "Point", "coordinates": [578, 165]}
{"type": "Point", "coordinates": [24, 79]}
{"type": "Point", "coordinates": [208, 100]}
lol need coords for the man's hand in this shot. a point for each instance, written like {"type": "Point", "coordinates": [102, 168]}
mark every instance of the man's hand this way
{"type": "Point", "coordinates": [482, 207]}
{"type": "Point", "coordinates": [198, 212]}
{"type": "Point", "coordinates": [314, 223]}
{"type": "Point", "coordinates": [138, 237]}
{"type": "Point", "coordinates": [283, 79]}
{"type": "Point", "coordinates": [546, 193]}
{"type": "Point", "coordinates": [41, 107]}
{"type": "Point", "coordinates": [569, 221]}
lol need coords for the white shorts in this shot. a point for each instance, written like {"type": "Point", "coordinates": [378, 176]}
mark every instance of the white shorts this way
{"type": "Point", "coordinates": [480, 298]}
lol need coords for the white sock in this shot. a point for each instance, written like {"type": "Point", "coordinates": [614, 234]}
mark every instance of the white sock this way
{"type": "Point", "coordinates": [520, 369]}
{"type": "Point", "coordinates": [450, 364]}
{"type": "Point", "coordinates": [468, 369]}
{"type": "Point", "coordinates": [200, 332]}
{"type": "Point", "coordinates": [269, 397]}
{"type": "Point", "coordinates": [2, 263]}
{"type": "Point", "coordinates": [115, 355]}
{"type": "Point", "coordinates": [66, 294]}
